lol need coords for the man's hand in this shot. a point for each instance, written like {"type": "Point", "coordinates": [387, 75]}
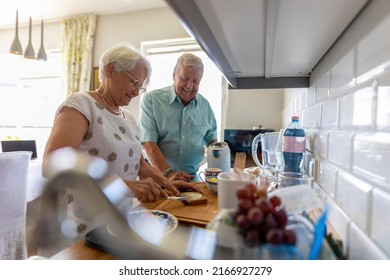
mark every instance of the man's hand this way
{"type": "Point", "coordinates": [180, 176]}
{"type": "Point", "coordinates": [175, 185]}
{"type": "Point", "coordinates": [146, 190]}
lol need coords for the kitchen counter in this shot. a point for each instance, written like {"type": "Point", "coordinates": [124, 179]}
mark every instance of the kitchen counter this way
{"type": "Point", "coordinates": [192, 220]}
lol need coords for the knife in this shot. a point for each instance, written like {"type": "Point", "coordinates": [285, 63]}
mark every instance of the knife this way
{"type": "Point", "coordinates": [180, 198]}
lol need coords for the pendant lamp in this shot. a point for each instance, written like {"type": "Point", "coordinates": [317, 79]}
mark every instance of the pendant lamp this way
{"type": "Point", "coordinates": [29, 52]}
{"type": "Point", "coordinates": [41, 53]}
{"type": "Point", "coordinates": [16, 47]}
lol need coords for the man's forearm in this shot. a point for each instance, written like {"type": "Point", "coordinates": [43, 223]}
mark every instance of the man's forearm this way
{"type": "Point", "coordinates": [156, 157]}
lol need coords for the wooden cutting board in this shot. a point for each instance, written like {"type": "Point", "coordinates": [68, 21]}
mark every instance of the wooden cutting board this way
{"type": "Point", "coordinates": [198, 215]}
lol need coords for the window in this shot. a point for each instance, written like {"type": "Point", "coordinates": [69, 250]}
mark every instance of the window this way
{"type": "Point", "coordinates": [30, 93]}
{"type": "Point", "coordinates": [163, 56]}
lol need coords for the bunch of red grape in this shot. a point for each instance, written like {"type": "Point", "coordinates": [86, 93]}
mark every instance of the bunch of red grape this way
{"type": "Point", "coordinates": [261, 219]}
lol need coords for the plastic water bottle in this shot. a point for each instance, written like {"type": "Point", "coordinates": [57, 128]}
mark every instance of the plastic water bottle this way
{"type": "Point", "coordinates": [279, 153]}
{"type": "Point", "coordinates": [294, 146]}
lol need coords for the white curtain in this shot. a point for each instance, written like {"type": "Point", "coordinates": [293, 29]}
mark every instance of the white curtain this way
{"type": "Point", "coordinates": [78, 34]}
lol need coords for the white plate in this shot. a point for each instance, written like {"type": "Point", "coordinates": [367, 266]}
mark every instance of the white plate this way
{"type": "Point", "coordinates": [169, 219]}
{"type": "Point", "coordinates": [139, 218]}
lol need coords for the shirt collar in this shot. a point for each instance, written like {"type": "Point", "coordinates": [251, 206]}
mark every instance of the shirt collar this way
{"type": "Point", "coordinates": [173, 97]}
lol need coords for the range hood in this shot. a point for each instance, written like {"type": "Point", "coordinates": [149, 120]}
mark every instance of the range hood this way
{"type": "Point", "coordinates": [267, 43]}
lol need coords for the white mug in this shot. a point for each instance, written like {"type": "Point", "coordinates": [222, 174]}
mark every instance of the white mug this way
{"type": "Point", "coordinates": [209, 173]}
{"type": "Point", "coordinates": [228, 184]}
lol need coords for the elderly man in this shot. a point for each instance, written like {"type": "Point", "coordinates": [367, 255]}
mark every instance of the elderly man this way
{"type": "Point", "coordinates": [177, 122]}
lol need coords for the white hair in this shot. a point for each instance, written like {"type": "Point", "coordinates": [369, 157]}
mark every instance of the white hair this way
{"type": "Point", "coordinates": [188, 59]}
{"type": "Point", "coordinates": [123, 58]}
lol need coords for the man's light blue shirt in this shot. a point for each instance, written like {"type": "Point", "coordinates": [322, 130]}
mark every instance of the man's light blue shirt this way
{"type": "Point", "coordinates": [180, 131]}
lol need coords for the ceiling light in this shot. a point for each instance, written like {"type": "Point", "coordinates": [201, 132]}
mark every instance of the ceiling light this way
{"type": "Point", "coordinates": [16, 47]}
{"type": "Point", "coordinates": [41, 53]}
{"type": "Point", "coordinates": [29, 52]}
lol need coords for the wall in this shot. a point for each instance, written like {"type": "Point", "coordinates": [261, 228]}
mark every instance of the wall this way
{"type": "Point", "coordinates": [135, 28]}
{"type": "Point", "coordinates": [346, 115]}
{"type": "Point", "coordinates": [249, 108]}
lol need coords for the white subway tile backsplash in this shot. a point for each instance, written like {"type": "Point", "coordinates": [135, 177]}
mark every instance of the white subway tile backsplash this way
{"type": "Point", "coordinates": [371, 53]}
{"type": "Point", "coordinates": [303, 99]}
{"type": "Point", "coordinates": [354, 197]}
{"type": "Point", "coordinates": [346, 111]}
{"type": "Point", "coordinates": [327, 177]}
{"type": "Point", "coordinates": [315, 116]}
{"type": "Point", "coordinates": [305, 118]}
{"type": "Point", "coordinates": [330, 111]}
{"type": "Point", "coordinates": [371, 158]}
{"type": "Point", "coordinates": [340, 147]}
{"type": "Point", "coordinates": [312, 167]}
{"type": "Point", "coordinates": [340, 223]}
{"type": "Point", "coordinates": [361, 247]}
{"type": "Point", "coordinates": [380, 230]}
{"type": "Point", "coordinates": [320, 141]}
{"type": "Point", "coordinates": [323, 86]}
{"type": "Point", "coordinates": [356, 109]}
{"type": "Point", "coordinates": [311, 96]}
{"type": "Point", "coordinates": [320, 194]}
{"type": "Point", "coordinates": [310, 134]}
{"type": "Point", "coordinates": [383, 104]}
{"type": "Point", "coordinates": [343, 75]}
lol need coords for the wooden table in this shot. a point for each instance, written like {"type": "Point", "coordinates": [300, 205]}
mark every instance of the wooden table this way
{"type": "Point", "coordinates": [195, 215]}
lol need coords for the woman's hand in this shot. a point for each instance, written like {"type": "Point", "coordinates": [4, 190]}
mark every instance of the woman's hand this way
{"type": "Point", "coordinates": [180, 176]}
{"type": "Point", "coordinates": [146, 190]}
{"type": "Point", "coordinates": [174, 186]}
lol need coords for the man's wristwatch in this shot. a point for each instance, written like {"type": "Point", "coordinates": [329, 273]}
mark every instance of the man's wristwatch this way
{"type": "Point", "coordinates": [167, 171]}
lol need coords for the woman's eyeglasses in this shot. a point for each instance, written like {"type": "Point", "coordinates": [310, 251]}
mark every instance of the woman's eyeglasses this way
{"type": "Point", "coordinates": [137, 84]}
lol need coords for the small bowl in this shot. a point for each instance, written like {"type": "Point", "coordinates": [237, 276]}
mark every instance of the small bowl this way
{"type": "Point", "coordinates": [212, 186]}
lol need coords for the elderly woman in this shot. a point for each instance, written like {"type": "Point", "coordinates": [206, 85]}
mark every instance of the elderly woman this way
{"type": "Point", "coordinates": [97, 123]}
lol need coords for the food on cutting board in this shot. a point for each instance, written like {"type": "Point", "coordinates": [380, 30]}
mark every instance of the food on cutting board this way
{"type": "Point", "coordinates": [193, 198]}
{"type": "Point", "coordinates": [261, 219]}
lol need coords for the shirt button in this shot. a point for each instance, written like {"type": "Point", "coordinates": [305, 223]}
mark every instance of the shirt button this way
{"type": "Point", "coordinates": [181, 152]}
{"type": "Point", "coordinates": [183, 136]}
